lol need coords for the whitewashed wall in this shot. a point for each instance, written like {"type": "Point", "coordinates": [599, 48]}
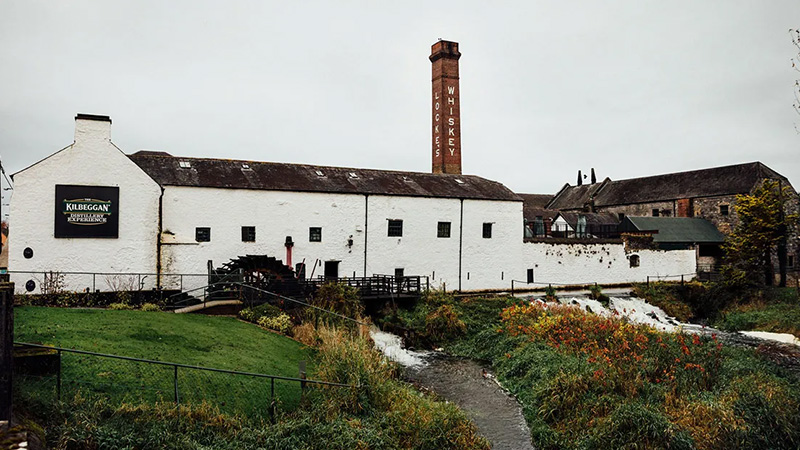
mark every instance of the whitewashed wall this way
{"type": "Point", "coordinates": [342, 217]}
{"type": "Point", "coordinates": [602, 263]}
{"type": "Point", "coordinates": [91, 160]}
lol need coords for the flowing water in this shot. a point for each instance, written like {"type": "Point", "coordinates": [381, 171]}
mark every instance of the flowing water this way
{"type": "Point", "coordinates": [466, 383]}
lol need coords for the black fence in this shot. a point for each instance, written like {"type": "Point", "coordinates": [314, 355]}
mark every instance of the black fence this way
{"type": "Point", "coordinates": [45, 374]}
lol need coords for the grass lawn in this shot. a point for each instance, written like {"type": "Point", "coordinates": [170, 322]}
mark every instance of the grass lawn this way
{"type": "Point", "coordinates": [217, 342]}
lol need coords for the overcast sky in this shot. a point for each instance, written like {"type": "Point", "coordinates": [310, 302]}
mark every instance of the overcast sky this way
{"type": "Point", "coordinates": [631, 88]}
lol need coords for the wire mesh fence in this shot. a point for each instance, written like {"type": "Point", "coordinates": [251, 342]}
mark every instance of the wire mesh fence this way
{"type": "Point", "coordinates": [45, 374]}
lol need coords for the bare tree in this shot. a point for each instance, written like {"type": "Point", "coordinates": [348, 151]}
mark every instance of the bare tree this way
{"type": "Point", "coordinates": [794, 34]}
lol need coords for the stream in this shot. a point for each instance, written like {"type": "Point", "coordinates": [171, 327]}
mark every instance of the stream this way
{"type": "Point", "coordinates": [466, 383]}
{"type": "Point", "coordinates": [498, 415]}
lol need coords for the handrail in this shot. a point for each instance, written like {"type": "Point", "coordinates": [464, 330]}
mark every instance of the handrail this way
{"type": "Point", "coordinates": [282, 297]}
{"type": "Point", "coordinates": [187, 366]}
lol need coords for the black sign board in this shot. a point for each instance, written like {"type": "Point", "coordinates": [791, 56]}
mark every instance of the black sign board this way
{"type": "Point", "coordinates": [87, 211]}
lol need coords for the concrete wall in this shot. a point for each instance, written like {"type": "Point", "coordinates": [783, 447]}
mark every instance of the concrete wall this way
{"type": "Point", "coordinates": [607, 263]}
{"type": "Point", "coordinates": [91, 160]}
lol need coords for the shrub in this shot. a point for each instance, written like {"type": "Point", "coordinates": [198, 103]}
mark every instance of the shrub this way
{"type": "Point", "coordinates": [119, 306]}
{"type": "Point", "coordinates": [248, 314]}
{"type": "Point", "coordinates": [443, 324]}
{"type": "Point", "coordinates": [339, 298]}
{"type": "Point", "coordinates": [281, 323]}
{"type": "Point", "coordinates": [550, 293]}
{"type": "Point", "coordinates": [267, 310]}
{"type": "Point", "coordinates": [437, 297]}
{"type": "Point", "coordinates": [150, 307]}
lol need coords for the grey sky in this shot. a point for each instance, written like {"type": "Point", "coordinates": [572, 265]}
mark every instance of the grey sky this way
{"type": "Point", "coordinates": [632, 88]}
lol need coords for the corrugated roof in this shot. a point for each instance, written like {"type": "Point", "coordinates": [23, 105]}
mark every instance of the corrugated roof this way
{"type": "Point", "coordinates": [675, 229]}
{"type": "Point", "coordinates": [727, 180]}
{"type": "Point", "coordinates": [168, 170]}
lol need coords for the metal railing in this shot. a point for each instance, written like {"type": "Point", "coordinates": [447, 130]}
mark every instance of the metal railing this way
{"type": "Point", "coordinates": [59, 371]}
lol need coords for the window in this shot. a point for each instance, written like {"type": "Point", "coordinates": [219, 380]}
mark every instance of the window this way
{"type": "Point", "coordinates": [202, 234]}
{"type": "Point", "coordinates": [538, 227]}
{"type": "Point", "coordinates": [634, 260]}
{"type": "Point", "coordinates": [248, 234]}
{"type": "Point", "coordinates": [723, 210]}
{"type": "Point", "coordinates": [395, 228]}
{"type": "Point", "coordinates": [655, 213]}
{"type": "Point", "coordinates": [620, 216]}
{"type": "Point", "coordinates": [443, 230]}
{"type": "Point", "coordinates": [790, 261]}
{"type": "Point", "coordinates": [184, 164]}
{"type": "Point", "coordinates": [666, 213]}
{"type": "Point", "coordinates": [530, 275]}
{"type": "Point", "coordinates": [487, 230]}
{"type": "Point", "coordinates": [315, 234]}
{"type": "Point", "coordinates": [399, 273]}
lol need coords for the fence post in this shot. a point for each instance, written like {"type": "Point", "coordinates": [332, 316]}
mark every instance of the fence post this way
{"type": "Point", "coordinates": [681, 280]}
{"type": "Point", "coordinates": [58, 377]}
{"type": "Point", "coordinates": [302, 377]}
{"type": "Point", "coordinates": [177, 399]}
{"type": "Point", "coordinates": [94, 288]}
{"type": "Point", "coordinates": [648, 281]}
{"type": "Point", "coordinates": [272, 400]}
{"type": "Point", "coordinates": [6, 348]}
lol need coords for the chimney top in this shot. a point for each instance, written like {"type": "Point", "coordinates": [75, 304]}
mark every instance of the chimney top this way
{"type": "Point", "coordinates": [96, 117]}
{"type": "Point", "coordinates": [91, 128]}
{"type": "Point", "coordinates": [444, 49]}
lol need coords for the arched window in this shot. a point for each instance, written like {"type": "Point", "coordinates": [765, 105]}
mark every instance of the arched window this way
{"type": "Point", "coordinates": [634, 260]}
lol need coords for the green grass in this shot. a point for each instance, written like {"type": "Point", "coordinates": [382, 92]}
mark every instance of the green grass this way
{"type": "Point", "coordinates": [214, 342]}
{"type": "Point", "coordinates": [776, 318]}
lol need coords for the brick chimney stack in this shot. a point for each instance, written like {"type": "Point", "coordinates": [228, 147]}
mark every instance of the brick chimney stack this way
{"type": "Point", "coordinates": [446, 108]}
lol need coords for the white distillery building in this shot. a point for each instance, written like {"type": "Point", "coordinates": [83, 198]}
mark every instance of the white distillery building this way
{"type": "Point", "coordinates": [158, 214]}
{"type": "Point", "coordinates": [90, 208]}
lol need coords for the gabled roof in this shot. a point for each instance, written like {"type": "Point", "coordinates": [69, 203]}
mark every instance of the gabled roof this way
{"type": "Point", "coordinates": [575, 197]}
{"type": "Point", "coordinates": [167, 170]}
{"type": "Point", "coordinates": [534, 206]}
{"type": "Point", "coordinates": [727, 180]}
{"type": "Point", "coordinates": [593, 219]}
{"type": "Point", "coordinates": [674, 229]}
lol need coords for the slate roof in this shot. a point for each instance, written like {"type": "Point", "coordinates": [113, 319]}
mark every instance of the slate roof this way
{"type": "Point", "coordinates": [534, 205]}
{"type": "Point", "coordinates": [675, 229]}
{"type": "Point", "coordinates": [166, 170]}
{"type": "Point", "coordinates": [727, 180]}
{"type": "Point", "coordinates": [592, 219]}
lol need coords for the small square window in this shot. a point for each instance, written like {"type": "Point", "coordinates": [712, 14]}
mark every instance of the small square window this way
{"type": "Point", "coordinates": [315, 234]}
{"type": "Point", "coordinates": [248, 234]}
{"type": "Point", "coordinates": [487, 230]}
{"type": "Point", "coordinates": [723, 210]}
{"type": "Point", "coordinates": [620, 216]}
{"type": "Point", "coordinates": [443, 230]}
{"type": "Point", "coordinates": [655, 213]}
{"type": "Point", "coordinates": [184, 164]}
{"type": "Point", "coordinates": [395, 228]}
{"type": "Point", "coordinates": [202, 234]}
